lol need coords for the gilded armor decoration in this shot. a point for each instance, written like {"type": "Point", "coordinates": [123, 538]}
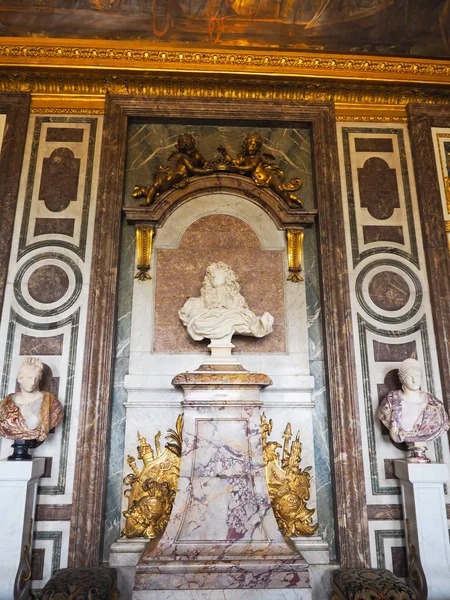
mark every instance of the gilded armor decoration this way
{"type": "Point", "coordinates": [289, 486]}
{"type": "Point", "coordinates": [152, 487]}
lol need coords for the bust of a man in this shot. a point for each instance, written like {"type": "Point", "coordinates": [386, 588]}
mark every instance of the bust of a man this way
{"type": "Point", "coordinates": [29, 414]}
{"type": "Point", "coordinates": [221, 310]}
{"type": "Point", "coordinates": [413, 416]}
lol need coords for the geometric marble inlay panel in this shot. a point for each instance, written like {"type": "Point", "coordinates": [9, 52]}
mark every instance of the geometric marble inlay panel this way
{"type": "Point", "coordinates": [388, 290]}
{"type": "Point", "coordinates": [48, 284]}
{"type": "Point", "coordinates": [59, 179]}
{"type": "Point", "coordinates": [378, 188]}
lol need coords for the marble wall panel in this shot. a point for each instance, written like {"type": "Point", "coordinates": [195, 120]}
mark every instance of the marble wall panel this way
{"type": "Point", "coordinates": [391, 311]}
{"type": "Point", "coordinates": [44, 313]}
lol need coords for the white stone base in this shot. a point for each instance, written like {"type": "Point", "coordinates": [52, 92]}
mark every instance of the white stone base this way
{"type": "Point", "coordinates": [18, 488]}
{"type": "Point", "coordinates": [425, 516]}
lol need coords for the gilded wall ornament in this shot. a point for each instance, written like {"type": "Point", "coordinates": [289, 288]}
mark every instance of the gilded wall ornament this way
{"type": "Point", "coordinates": [295, 252]}
{"type": "Point", "coordinates": [188, 162]}
{"type": "Point", "coordinates": [261, 168]}
{"type": "Point", "coordinates": [153, 487]}
{"type": "Point", "coordinates": [289, 486]}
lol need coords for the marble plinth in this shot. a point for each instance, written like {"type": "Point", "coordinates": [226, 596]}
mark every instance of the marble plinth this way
{"type": "Point", "coordinates": [222, 533]}
{"type": "Point", "coordinates": [427, 545]}
{"type": "Point", "coordinates": [18, 489]}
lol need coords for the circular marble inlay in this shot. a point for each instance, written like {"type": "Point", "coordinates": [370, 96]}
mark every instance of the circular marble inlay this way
{"type": "Point", "coordinates": [48, 284]}
{"type": "Point", "coordinates": [389, 290]}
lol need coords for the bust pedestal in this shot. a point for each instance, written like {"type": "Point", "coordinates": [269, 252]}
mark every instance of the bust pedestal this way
{"type": "Point", "coordinates": [425, 516]}
{"type": "Point", "coordinates": [222, 534]}
{"type": "Point", "coordinates": [18, 490]}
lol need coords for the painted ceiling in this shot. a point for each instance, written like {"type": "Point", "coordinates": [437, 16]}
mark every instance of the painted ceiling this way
{"type": "Point", "coordinates": [387, 27]}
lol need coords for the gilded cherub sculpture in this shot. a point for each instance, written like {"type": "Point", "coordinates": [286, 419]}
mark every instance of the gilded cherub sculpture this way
{"type": "Point", "coordinates": [288, 484]}
{"type": "Point", "coordinates": [189, 162]}
{"type": "Point", "coordinates": [411, 415]}
{"type": "Point", "coordinates": [152, 488]}
{"type": "Point", "coordinates": [30, 414]}
{"type": "Point", "coordinates": [261, 168]}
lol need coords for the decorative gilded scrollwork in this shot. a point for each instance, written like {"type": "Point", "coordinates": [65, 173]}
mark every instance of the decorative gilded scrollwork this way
{"type": "Point", "coordinates": [414, 572]}
{"type": "Point", "coordinates": [295, 251]}
{"type": "Point", "coordinates": [289, 486]}
{"type": "Point", "coordinates": [24, 577]}
{"type": "Point", "coordinates": [144, 243]}
{"type": "Point", "coordinates": [153, 487]}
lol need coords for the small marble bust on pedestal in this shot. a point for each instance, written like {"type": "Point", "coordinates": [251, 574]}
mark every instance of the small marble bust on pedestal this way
{"type": "Point", "coordinates": [221, 311]}
{"type": "Point", "coordinates": [30, 414]}
{"type": "Point", "coordinates": [413, 416]}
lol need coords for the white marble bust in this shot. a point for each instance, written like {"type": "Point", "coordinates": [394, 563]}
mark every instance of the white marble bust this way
{"type": "Point", "coordinates": [29, 414]}
{"type": "Point", "coordinates": [221, 310]}
{"type": "Point", "coordinates": [411, 415]}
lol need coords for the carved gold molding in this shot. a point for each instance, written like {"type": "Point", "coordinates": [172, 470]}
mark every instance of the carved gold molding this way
{"type": "Point", "coordinates": [138, 55]}
{"type": "Point", "coordinates": [85, 90]}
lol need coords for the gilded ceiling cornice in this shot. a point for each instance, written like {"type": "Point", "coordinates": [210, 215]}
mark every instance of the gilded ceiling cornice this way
{"type": "Point", "coordinates": [139, 56]}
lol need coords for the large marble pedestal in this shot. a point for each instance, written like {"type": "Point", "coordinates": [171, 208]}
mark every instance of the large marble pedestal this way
{"type": "Point", "coordinates": [428, 545]}
{"type": "Point", "coordinates": [222, 534]}
{"type": "Point", "coordinates": [18, 489]}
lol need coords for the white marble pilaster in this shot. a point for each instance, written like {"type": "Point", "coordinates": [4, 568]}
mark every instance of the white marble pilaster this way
{"type": "Point", "coordinates": [18, 489]}
{"type": "Point", "coordinates": [427, 545]}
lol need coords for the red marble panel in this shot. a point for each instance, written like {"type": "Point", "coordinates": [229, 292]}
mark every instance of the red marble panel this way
{"type": "Point", "coordinates": [37, 563]}
{"type": "Point", "coordinates": [389, 290]}
{"type": "Point", "coordinates": [399, 561]}
{"type": "Point", "coordinates": [59, 181]}
{"type": "Point", "coordinates": [37, 346]}
{"type": "Point", "coordinates": [180, 274]}
{"type": "Point", "coordinates": [378, 188]}
{"type": "Point", "coordinates": [394, 352]}
{"type": "Point", "coordinates": [64, 134]}
{"type": "Point", "coordinates": [383, 233]}
{"type": "Point", "coordinates": [48, 284]}
{"type": "Point", "coordinates": [44, 226]}
{"type": "Point", "coordinates": [374, 145]}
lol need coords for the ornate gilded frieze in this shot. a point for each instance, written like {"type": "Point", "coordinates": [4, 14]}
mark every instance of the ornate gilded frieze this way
{"type": "Point", "coordinates": [84, 84]}
{"type": "Point", "coordinates": [153, 486]}
{"type": "Point", "coordinates": [288, 484]}
{"type": "Point", "coordinates": [140, 55]}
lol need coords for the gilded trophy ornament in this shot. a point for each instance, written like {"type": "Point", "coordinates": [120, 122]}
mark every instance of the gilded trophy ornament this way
{"type": "Point", "coordinates": [289, 486]}
{"type": "Point", "coordinates": [152, 487]}
{"type": "Point", "coordinates": [261, 168]}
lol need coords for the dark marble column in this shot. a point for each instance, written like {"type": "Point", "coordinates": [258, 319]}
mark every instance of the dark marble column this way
{"type": "Point", "coordinates": [422, 117]}
{"type": "Point", "coordinates": [17, 108]}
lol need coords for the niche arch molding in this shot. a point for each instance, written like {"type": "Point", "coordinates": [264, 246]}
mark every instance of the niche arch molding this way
{"type": "Point", "coordinates": [91, 460]}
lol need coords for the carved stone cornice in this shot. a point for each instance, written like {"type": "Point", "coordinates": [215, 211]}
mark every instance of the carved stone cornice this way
{"type": "Point", "coordinates": [138, 55]}
{"type": "Point", "coordinates": [84, 88]}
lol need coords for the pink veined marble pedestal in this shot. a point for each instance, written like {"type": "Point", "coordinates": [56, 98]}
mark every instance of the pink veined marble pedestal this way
{"type": "Point", "coordinates": [222, 533]}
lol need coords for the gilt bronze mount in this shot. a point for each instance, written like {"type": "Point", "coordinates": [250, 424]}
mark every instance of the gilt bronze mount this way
{"type": "Point", "coordinates": [289, 485]}
{"type": "Point", "coordinates": [152, 487]}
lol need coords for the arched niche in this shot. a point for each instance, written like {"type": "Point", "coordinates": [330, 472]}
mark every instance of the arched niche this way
{"type": "Point", "coordinates": [87, 520]}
